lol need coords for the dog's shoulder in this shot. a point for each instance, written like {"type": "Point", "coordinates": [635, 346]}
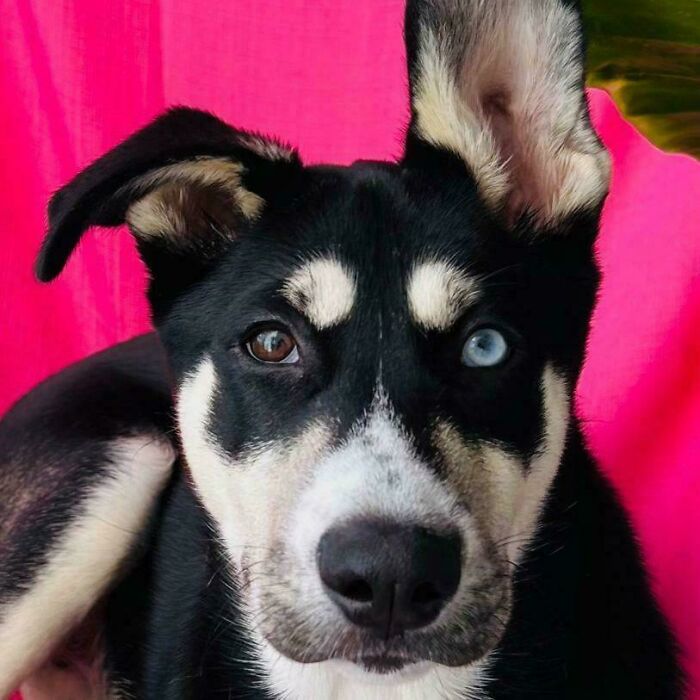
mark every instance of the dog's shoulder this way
{"type": "Point", "coordinates": [83, 460]}
{"type": "Point", "coordinates": [119, 390]}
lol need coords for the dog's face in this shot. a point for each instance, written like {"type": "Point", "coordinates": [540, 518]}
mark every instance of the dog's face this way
{"type": "Point", "coordinates": [379, 368]}
{"type": "Point", "coordinates": [374, 364]}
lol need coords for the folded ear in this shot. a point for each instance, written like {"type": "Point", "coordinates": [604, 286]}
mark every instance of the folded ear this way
{"type": "Point", "coordinates": [500, 84]}
{"type": "Point", "coordinates": [185, 184]}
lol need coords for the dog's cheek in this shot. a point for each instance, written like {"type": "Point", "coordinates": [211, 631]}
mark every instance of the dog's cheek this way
{"type": "Point", "coordinates": [543, 467]}
{"type": "Point", "coordinates": [270, 480]}
{"type": "Point", "coordinates": [248, 497]}
{"type": "Point", "coordinates": [504, 493]}
{"type": "Point", "coordinates": [486, 479]}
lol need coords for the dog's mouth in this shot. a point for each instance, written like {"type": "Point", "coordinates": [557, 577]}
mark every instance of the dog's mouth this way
{"type": "Point", "coordinates": [381, 659]}
{"type": "Point", "coordinates": [456, 645]}
{"type": "Point", "coordinates": [386, 658]}
{"type": "Point", "coordinates": [467, 630]}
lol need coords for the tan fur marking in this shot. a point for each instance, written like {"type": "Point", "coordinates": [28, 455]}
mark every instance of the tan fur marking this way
{"type": "Point", "coordinates": [267, 149]}
{"type": "Point", "coordinates": [156, 214]}
{"type": "Point", "coordinates": [249, 497]}
{"type": "Point", "coordinates": [323, 290]}
{"type": "Point", "coordinates": [438, 292]}
{"type": "Point", "coordinates": [513, 109]}
{"type": "Point", "coordinates": [504, 498]}
{"type": "Point", "coordinates": [443, 119]}
{"type": "Point", "coordinates": [85, 560]}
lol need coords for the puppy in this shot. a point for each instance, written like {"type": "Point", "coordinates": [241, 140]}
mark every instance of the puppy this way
{"type": "Point", "coordinates": [346, 466]}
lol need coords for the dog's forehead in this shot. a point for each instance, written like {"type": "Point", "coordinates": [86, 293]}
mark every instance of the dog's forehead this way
{"type": "Point", "coordinates": [374, 234]}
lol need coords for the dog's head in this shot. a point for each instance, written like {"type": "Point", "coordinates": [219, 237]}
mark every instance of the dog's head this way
{"type": "Point", "coordinates": [374, 363]}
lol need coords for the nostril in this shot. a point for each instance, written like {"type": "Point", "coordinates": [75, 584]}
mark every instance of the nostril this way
{"type": "Point", "coordinates": [356, 589]}
{"type": "Point", "coordinates": [425, 593]}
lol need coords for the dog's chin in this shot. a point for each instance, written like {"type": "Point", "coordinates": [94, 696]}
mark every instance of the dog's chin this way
{"type": "Point", "coordinates": [384, 665]}
{"type": "Point", "coordinates": [372, 669]}
{"type": "Point", "coordinates": [379, 670]}
{"type": "Point", "coordinates": [391, 660]}
{"type": "Point", "coordinates": [290, 635]}
{"type": "Point", "coordinates": [382, 662]}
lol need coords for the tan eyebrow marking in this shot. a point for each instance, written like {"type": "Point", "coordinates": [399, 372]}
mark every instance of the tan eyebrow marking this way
{"type": "Point", "coordinates": [323, 289]}
{"type": "Point", "coordinates": [438, 292]}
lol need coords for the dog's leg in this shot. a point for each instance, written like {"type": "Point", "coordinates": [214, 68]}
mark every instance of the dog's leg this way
{"type": "Point", "coordinates": [79, 480]}
{"type": "Point", "coordinates": [76, 569]}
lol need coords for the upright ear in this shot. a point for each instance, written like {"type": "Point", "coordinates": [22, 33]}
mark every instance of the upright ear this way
{"type": "Point", "coordinates": [185, 184]}
{"type": "Point", "coordinates": [500, 84]}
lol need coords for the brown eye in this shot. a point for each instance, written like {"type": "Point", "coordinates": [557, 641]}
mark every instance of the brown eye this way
{"type": "Point", "coordinates": [273, 346]}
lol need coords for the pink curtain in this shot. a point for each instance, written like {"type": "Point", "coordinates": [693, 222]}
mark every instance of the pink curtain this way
{"type": "Point", "coordinates": [76, 76]}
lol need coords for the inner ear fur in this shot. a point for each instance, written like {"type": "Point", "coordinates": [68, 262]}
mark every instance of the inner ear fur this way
{"type": "Point", "coordinates": [185, 183]}
{"type": "Point", "coordinates": [190, 202]}
{"type": "Point", "coordinates": [501, 85]}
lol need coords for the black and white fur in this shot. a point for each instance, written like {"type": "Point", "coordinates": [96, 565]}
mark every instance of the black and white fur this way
{"type": "Point", "coordinates": [164, 501]}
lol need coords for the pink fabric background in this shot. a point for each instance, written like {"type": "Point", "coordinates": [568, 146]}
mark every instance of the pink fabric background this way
{"type": "Point", "coordinates": [77, 76]}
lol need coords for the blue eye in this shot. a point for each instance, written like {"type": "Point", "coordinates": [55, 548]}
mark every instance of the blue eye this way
{"type": "Point", "coordinates": [484, 348]}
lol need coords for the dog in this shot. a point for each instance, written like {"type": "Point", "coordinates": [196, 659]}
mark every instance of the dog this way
{"type": "Point", "coordinates": [346, 464]}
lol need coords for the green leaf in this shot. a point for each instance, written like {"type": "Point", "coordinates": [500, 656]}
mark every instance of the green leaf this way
{"type": "Point", "coordinates": [646, 54]}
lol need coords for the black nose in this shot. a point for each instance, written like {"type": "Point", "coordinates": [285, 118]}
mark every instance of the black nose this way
{"type": "Point", "coordinates": [389, 577]}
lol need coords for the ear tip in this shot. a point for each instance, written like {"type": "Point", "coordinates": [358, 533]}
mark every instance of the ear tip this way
{"type": "Point", "coordinates": [48, 264]}
{"type": "Point", "coordinates": [43, 273]}
{"type": "Point", "coordinates": [43, 276]}
{"type": "Point", "coordinates": [42, 270]}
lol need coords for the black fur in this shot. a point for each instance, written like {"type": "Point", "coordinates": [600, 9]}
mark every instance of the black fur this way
{"type": "Point", "coordinates": [53, 447]}
{"type": "Point", "coordinates": [584, 626]}
{"type": "Point", "coordinates": [584, 623]}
